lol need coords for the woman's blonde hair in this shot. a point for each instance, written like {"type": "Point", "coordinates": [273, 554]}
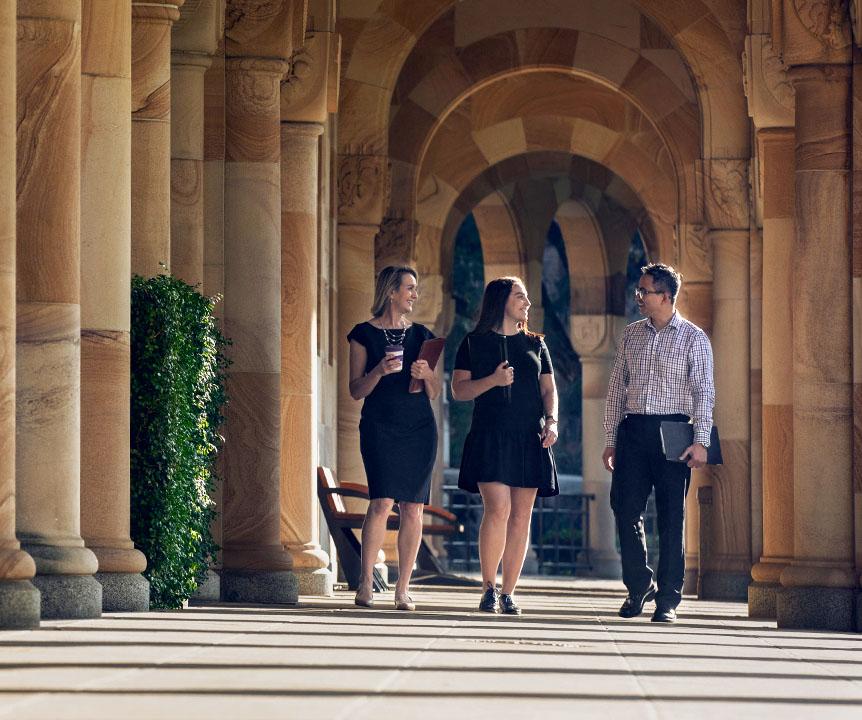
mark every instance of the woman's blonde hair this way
{"type": "Point", "coordinates": [388, 281]}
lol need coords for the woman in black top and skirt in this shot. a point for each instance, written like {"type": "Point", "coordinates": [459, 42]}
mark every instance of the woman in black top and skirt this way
{"type": "Point", "coordinates": [507, 455]}
{"type": "Point", "coordinates": [397, 430]}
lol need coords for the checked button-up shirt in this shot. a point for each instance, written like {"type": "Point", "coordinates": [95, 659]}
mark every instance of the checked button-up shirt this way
{"type": "Point", "coordinates": [662, 372]}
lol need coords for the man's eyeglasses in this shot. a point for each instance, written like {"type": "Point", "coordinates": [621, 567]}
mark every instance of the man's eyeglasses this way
{"type": "Point", "coordinates": [641, 293]}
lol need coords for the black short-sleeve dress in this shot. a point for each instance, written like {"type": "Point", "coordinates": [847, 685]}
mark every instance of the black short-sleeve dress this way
{"type": "Point", "coordinates": [504, 443]}
{"type": "Point", "coordinates": [397, 430]}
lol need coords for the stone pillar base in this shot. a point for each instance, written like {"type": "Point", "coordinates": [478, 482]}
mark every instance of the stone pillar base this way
{"type": "Point", "coordinates": [315, 582]}
{"type": "Point", "coordinates": [69, 597]}
{"type": "Point", "coordinates": [605, 565]}
{"type": "Point", "coordinates": [124, 592]}
{"type": "Point", "coordinates": [267, 587]}
{"type": "Point", "coordinates": [817, 608]}
{"type": "Point", "coordinates": [19, 605]}
{"type": "Point", "coordinates": [762, 599]}
{"type": "Point", "coordinates": [209, 590]}
{"type": "Point", "coordinates": [689, 582]}
{"type": "Point", "coordinates": [724, 586]}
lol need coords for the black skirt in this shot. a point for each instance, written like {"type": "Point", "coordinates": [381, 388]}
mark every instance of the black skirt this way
{"type": "Point", "coordinates": [512, 456]}
{"type": "Point", "coordinates": [398, 458]}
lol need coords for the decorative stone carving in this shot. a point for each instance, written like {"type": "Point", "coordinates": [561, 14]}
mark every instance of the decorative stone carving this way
{"type": "Point", "coordinates": [771, 98]}
{"type": "Point", "coordinates": [826, 20]}
{"type": "Point", "coordinates": [394, 242]}
{"type": "Point", "coordinates": [588, 333]}
{"type": "Point", "coordinates": [695, 259]}
{"type": "Point", "coordinates": [361, 188]}
{"type": "Point", "coordinates": [813, 32]}
{"type": "Point", "coordinates": [199, 28]}
{"type": "Point", "coordinates": [726, 193]}
{"type": "Point", "coordinates": [305, 89]}
{"type": "Point", "coordinates": [262, 28]}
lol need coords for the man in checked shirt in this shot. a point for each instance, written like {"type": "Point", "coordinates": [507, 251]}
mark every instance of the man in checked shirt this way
{"type": "Point", "coordinates": [662, 371]}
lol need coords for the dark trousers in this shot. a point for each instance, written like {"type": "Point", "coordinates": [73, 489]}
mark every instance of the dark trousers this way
{"type": "Point", "coordinates": [640, 466]}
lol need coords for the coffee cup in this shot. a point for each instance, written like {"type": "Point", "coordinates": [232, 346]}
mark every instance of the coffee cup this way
{"type": "Point", "coordinates": [395, 351]}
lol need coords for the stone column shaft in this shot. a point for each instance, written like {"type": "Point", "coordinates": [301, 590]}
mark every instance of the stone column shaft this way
{"type": "Point", "coordinates": [19, 599]}
{"type": "Point", "coordinates": [727, 572]}
{"type": "Point", "coordinates": [300, 527]}
{"type": "Point", "coordinates": [151, 133]}
{"type": "Point", "coordinates": [48, 369]}
{"type": "Point", "coordinates": [187, 165]}
{"type": "Point", "coordinates": [777, 171]}
{"type": "Point", "coordinates": [820, 583]}
{"type": "Point", "coordinates": [105, 298]}
{"type": "Point", "coordinates": [605, 559]}
{"type": "Point", "coordinates": [256, 566]}
{"type": "Point", "coordinates": [355, 296]}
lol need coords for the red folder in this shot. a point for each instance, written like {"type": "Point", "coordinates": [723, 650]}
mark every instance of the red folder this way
{"type": "Point", "coordinates": [430, 352]}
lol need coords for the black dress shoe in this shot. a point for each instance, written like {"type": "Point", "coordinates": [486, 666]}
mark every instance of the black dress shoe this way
{"type": "Point", "coordinates": [490, 601]}
{"type": "Point", "coordinates": [634, 604]}
{"type": "Point", "coordinates": [664, 615]}
{"type": "Point", "coordinates": [508, 606]}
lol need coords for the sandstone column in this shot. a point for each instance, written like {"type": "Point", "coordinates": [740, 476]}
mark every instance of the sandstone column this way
{"type": "Point", "coordinates": [48, 368]}
{"type": "Point", "coordinates": [725, 574]}
{"type": "Point", "coordinates": [151, 133]}
{"type": "Point", "coordinates": [19, 599]}
{"type": "Point", "coordinates": [361, 196]}
{"type": "Point", "coordinates": [820, 583]}
{"type": "Point", "coordinates": [300, 526]}
{"type": "Point", "coordinates": [194, 40]}
{"type": "Point", "coordinates": [596, 371]}
{"type": "Point", "coordinates": [105, 298]}
{"type": "Point", "coordinates": [256, 567]}
{"type": "Point", "coordinates": [776, 156]}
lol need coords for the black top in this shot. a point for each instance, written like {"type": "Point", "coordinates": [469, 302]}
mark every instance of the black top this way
{"type": "Point", "coordinates": [390, 399]}
{"type": "Point", "coordinates": [522, 407]}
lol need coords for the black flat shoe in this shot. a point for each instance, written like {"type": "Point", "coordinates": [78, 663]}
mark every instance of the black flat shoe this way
{"type": "Point", "coordinates": [508, 606]}
{"type": "Point", "coordinates": [634, 604]}
{"type": "Point", "coordinates": [490, 601]}
{"type": "Point", "coordinates": [664, 615]}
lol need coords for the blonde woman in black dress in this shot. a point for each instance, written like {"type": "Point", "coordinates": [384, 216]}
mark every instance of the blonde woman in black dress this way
{"type": "Point", "coordinates": [507, 455]}
{"type": "Point", "coordinates": [397, 431]}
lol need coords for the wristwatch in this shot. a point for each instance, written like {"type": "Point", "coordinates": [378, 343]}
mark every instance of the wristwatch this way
{"type": "Point", "coordinates": [550, 418]}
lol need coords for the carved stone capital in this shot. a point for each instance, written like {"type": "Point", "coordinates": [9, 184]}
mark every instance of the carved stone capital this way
{"type": "Point", "coordinates": [695, 254]}
{"type": "Point", "coordinates": [815, 32]}
{"type": "Point", "coordinates": [306, 86]}
{"type": "Point", "coordinates": [199, 28]}
{"type": "Point", "coordinates": [394, 242]}
{"type": "Point", "coordinates": [771, 99]}
{"type": "Point", "coordinates": [594, 336]}
{"type": "Point", "coordinates": [725, 184]}
{"type": "Point", "coordinates": [160, 12]}
{"type": "Point", "coordinates": [362, 192]}
{"type": "Point", "coordinates": [260, 28]}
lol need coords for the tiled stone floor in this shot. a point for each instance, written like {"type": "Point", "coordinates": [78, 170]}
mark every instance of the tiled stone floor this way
{"type": "Point", "coordinates": [569, 656]}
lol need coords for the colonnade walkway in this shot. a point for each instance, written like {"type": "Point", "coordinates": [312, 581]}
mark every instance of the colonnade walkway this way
{"type": "Point", "coordinates": [570, 656]}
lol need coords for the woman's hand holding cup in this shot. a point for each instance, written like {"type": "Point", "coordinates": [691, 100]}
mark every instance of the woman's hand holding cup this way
{"type": "Point", "coordinates": [504, 374]}
{"type": "Point", "coordinates": [393, 360]}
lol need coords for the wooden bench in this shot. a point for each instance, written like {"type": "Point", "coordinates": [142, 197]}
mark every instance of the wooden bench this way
{"type": "Point", "coordinates": [342, 524]}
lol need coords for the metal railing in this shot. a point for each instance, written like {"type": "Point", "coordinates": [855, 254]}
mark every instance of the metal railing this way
{"type": "Point", "coordinates": [559, 534]}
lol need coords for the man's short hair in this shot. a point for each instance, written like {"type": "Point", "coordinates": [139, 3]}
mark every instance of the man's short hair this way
{"type": "Point", "coordinates": [664, 277]}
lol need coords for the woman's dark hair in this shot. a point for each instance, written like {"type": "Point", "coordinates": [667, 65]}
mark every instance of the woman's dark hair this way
{"type": "Point", "coordinates": [494, 306]}
{"type": "Point", "coordinates": [664, 277]}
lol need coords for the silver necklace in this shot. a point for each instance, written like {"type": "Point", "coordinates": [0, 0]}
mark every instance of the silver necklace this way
{"type": "Point", "coordinates": [393, 337]}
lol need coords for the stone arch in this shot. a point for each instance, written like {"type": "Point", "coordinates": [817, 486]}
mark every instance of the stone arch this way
{"type": "Point", "coordinates": [707, 35]}
{"type": "Point", "coordinates": [500, 235]}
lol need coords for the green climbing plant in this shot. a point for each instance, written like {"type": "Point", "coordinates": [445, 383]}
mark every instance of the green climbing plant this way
{"type": "Point", "coordinates": [178, 393]}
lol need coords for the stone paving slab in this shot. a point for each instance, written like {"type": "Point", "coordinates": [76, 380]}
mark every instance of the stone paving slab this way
{"type": "Point", "coordinates": [569, 656]}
